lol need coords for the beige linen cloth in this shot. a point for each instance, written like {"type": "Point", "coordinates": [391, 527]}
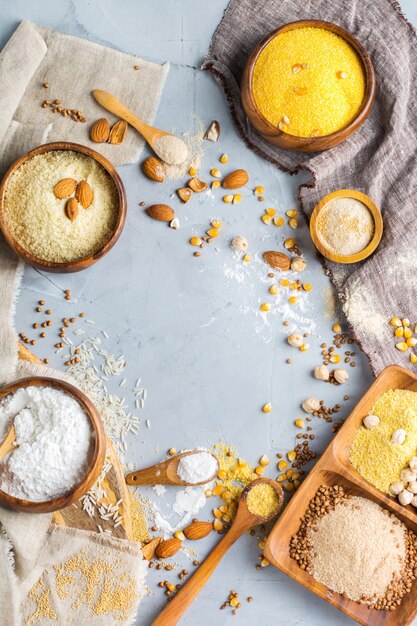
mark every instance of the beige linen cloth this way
{"type": "Point", "coordinates": [379, 159]}
{"type": "Point", "coordinates": [50, 574]}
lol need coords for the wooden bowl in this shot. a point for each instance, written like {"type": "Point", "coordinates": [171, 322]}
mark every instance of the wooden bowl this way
{"type": "Point", "coordinates": [306, 144]}
{"type": "Point", "coordinates": [79, 264]}
{"type": "Point", "coordinates": [373, 244]}
{"type": "Point", "coordinates": [97, 460]}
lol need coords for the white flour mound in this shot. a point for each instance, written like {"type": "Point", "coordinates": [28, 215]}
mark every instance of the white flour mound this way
{"type": "Point", "coordinates": [54, 439]}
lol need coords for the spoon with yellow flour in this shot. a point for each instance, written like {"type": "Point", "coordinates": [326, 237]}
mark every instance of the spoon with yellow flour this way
{"type": "Point", "coordinates": [168, 147]}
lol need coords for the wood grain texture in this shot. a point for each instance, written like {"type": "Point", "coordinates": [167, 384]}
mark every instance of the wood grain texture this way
{"type": "Point", "coordinates": [334, 468]}
{"type": "Point", "coordinates": [72, 266]}
{"type": "Point", "coordinates": [114, 484]}
{"type": "Point", "coordinates": [164, 473]}
{"type": "Point", "coordinates": [373, 244]}
{"type": "Point", "coordinates": [306, 144]}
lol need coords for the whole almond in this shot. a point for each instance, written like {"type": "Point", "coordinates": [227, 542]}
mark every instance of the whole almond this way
{"type": "Point", "coordinates": [84, 194]}
{"type": "Point", "coordinates": [184, 194]}
{"type": "Point", "coordinates": [153, 169]}
{"type": "Point", "coordinates": [168, 548]}
{"type": "Point", "coordinates": [100, 131]}
{"type": "Point", "coordinates": [197, 185]}
{"type": "Point", "coordinates": [277, 260]}
{"type": "Point", "coordinates": [149, 549]}
{"type": "Point", "coordinates": [71, 209]}
{"type": "Point", "coordinates": [118, 132]}
{"type": "Point", "coordinates": [64, 188]}
{"type": "Point", "coordinates": [236, 179]}
{"type": "Point", "coordinates": [198, 530]}
{"type": "Point", "coordinates": [161, 212]}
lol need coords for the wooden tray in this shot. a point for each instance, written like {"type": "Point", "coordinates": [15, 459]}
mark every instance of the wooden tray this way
{"type": "Point", "coordinates": [114, 484]}
{"type": "Point", "coordinates": [334, 468]}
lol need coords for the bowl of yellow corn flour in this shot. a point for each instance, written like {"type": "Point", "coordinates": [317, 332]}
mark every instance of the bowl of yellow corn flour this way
{"type": "Point", "coordinates": [308, 86]}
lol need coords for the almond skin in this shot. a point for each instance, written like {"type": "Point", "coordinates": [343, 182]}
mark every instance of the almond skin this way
{"type": "Point", "coordinates": [161, 212]}
{"type": "Point", "coordinates": [197, 185]}
{"type": "Point", "coordinates": [84, 194]}
{"type": "Point", "coordinates": [118, 132]}
{"type": "Point", "coordinates": [277, 260]}
{"type": "Point", "coordinates": [168, 548]}
{"type": "Point", "coordinates": [149, 549]}
{"type": "Point", "coordinates": [184, 194]}
{"type": "Point", "coordinates": [64, 188]}
{"type": "Point", "coordinates": [153, 169]}
{"type": "Point", "coordinates": [198, 530]}
{"type": "Point", "coordinates": [100, 131]}
{"type": "Point", "coordinates": [236, 179]}
{"type": "Point", "coordinates": [71, 209]}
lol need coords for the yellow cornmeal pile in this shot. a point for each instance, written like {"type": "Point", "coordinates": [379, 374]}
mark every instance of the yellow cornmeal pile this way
{"type": "Point", "coordinates": [308, 82]}
{"type": "Point", "coordinates": [373, 454]}
{"type": "Point", "coordinates": [37, 219]}
{"type": "Point", "coordinates": [138, 514]}
{"type": "Point", "coordinates": [262, 500]}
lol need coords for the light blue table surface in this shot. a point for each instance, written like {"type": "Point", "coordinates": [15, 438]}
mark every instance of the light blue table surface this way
{"type": "Point", "coordinates": [188, 327]}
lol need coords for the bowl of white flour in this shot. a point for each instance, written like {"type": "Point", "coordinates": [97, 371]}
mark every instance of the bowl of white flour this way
{"type": "Point", "coordinates": [59, 449]}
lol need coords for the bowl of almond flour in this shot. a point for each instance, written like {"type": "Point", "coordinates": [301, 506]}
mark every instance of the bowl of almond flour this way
{"type": "Point", "coordinates": [62, 207]}
{"type": "Point", "coordinates": [59, 445]}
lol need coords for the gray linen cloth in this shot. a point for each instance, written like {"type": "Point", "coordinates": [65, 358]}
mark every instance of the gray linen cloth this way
{"type": "Point", "coordinates": [379, 159]}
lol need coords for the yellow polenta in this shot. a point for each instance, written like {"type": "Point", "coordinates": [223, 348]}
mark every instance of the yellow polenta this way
{"type": "Point", "coordinates": [308, 82]}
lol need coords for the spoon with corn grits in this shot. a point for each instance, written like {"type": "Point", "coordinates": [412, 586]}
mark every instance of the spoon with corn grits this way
{"type": "Point", "coordinates": [168, 147]}
{"type": "Point", "coordinates": [259, 502]}
{"type": "Point", "coordinates": [8, 443]}
{"type": "Point", "coordinates": [166, 473]}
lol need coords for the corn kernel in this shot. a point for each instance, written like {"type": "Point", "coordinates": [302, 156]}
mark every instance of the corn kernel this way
{"type": "Point", "coordinates": [401, 346]}
{"type": "Point", "coordinates": [259, 190]}
{"type": "Point", "coordinates": [266, 219]}
{"type": "Point", "coordinates": [228, 199]}
{"type": "Point", "coordinates": [279, 221]}
{"type": "Point", "coordinates": [259, 470]}
{"type": "Point", "coordinates": [217, 525]}
{"type": "Point", "coordinates": [296, 484]}
{"type": "Point", "coordinates": [336, 328]}
{"type": "Point", "coordinates": [289, 472]}
{"type": "Point", "coordinates": [405, 321]}
{"type": "Point", "coordinates": [237, 198]}
{"type": "Point", "coordinates": [395, 321]}
{"type": "Point", "coordinates": [341, 74]}
{"type": "Point", "coordinates": [299, 423]}
{"type": "Point", "coordinates": [195, 241]}
{"type": "Point", "coordinates": [218, 490]}
{"type": "Point", "coordinates": [293, 299]}
{"type": "Point", "coordinates": [284, 282]}
{"type": "Point", "coordinates": [221, 474]}
{"type": "Point", "coordinates": [264, 461]}
{"type": "Point", "coordinates": [241, 462]}
{"type": "Point", "coordinates": [262, 544]}
{"type": "Point", "coordinates": [282, 126]}
{"type": "Point", "coordinates": [281, 478]}
{"type": "Point", "coordinates": [413, 358]}
{"type": "Point", "coordinates": [192, 171]}
{"type": "Point", "coordinates": [216, 224]}
{"type": "Point", "coordinates": [234, 601]}
{"type": "Point", "coordinates": [247, 258]}
{"type": "Point", "coordinates": [265, 306]}
{"type": "Point", "coordinates": [179, 535]}
{"type": "Point", "coordinates": [170, 587]}
{"type": "Point", "coordinates": [224, 158]}
{"type": "Point", "coordinates": [295, 476]}
{"type": "Point", "coordinates": [227, 518]}
{"type": "Point", "coordinates": [271, 212]}
{"type": "Point", "coordinates": [411, 342]}
{"type": "Point", "coordinates": [294, 286]}
{"type": "Point", "coordinates": [304, 347]}
{"type": "Point", "coordinates": [215, 172]}
{"type": "Point", "coordinates": [213, 232]}
{"type": "Point", "coordinates": [217, 513]}
{"type": "Point", "coordinates": [273, 289]}
{"type": "Point", "coordinates": [264, 562]}
{"type": "Point", "coordinates": [291, 456]}
{"type": "Point", "coordinates": [399, 331]}
{"type": "Point", "coordinates": [289, 487]}
{"type": "Point", "coordinates": [307, 287]}
{"type": "Point", "coordinates": [335, 358]}
{"type": "Point", "coordinates": [291, 213]}
{"type": "Point", "coordinates": [289, 243]}
{"type": "Point", "coordinates": [293, 222]}
{"type": "Point", "coordinates": [223, 508]}
{"type": "Point", "coordinates": [282, 465]}
{"type": "Point", "coordinates": [208, 493]}
{"type": "Point", "coordinates": [215, 184]}
{"type": "Point", "coordinates": [407, 332]}
{"type": "Point", "coordinates": [226, 496]}
{"type": "Point", "coordinates": [172, 451]}
{"type": "Point", "coordinates": [267, 408]}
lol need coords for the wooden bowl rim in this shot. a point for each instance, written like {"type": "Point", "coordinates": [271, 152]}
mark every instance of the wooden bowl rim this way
{"type": "Point", "coordinates": [370, 82]}
{"type": "Point", "coordinates": [84, 262]}
{"type": "Point", "coordinates": [362, 254]}
{"type": "Point", "coordinates": [97, 460]}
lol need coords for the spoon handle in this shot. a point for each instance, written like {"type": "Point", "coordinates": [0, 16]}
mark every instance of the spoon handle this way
{"type": "Point", "coordinates": [7, 444]}
{"type": "Point", "coordinates": [176, 607]}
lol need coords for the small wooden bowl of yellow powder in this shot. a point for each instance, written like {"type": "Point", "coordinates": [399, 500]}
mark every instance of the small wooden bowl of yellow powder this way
{"type": "Point", "coordinates": [62, 207]}
{"type": "Point", "coordinates": [346, 226]}
{"type": "Point", "coordinates": [308, 86]}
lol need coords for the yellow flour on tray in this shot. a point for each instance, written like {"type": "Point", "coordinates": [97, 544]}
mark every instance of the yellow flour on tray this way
{"type": "Point", "coordinates": [372, 453]}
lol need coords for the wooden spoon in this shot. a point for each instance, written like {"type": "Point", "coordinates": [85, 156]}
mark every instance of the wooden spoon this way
{"type": "Point", "coordinates": [244, 521]}
{"type": "Point", "coordinates": [151, 134]}
{"type": "Point", "coordinates": [8, 442]}
{"type": "Point", "coordinates": [165, 473]}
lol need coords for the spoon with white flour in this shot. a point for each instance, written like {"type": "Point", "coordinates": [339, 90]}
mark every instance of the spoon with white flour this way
{"type": "Point", "coordinates": [168, 147]}
{"type": "Point", "coordinates": [8, 443]}
{"type": "Point", "coordinates": [194, 467]}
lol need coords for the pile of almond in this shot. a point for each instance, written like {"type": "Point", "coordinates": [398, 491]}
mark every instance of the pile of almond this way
{"type": "Point", "coordinates": [83, 194]}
